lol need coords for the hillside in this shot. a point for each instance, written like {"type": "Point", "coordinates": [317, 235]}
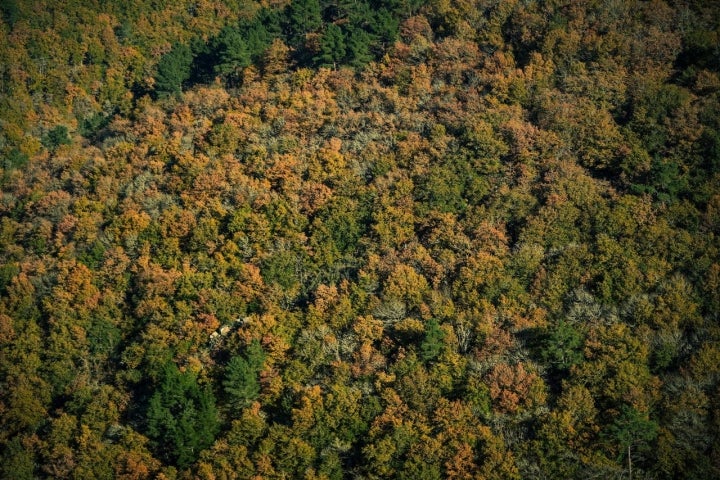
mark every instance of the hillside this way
{"type": "Point", "coordinates": [360, 239]}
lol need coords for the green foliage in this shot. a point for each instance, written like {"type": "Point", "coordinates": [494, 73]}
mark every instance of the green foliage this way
{"type": "Point", "coordinates": [233, 53]}
{"type": "Point", "coordinates": [282, 268]}
{"type": "Point", "coordinates": [261, 31]}
{"type": "Point", "coordinates": [15, 159]}
{"type": "Point", "coordinates": [562, 346]}
{"type": "Point", "coordinates": [56, 137]}
{"type": "Point", "coordinates": [7, 272]}
{"type": "Point", "coordinates": [332, 47]}
{"type": "Point", "coordinates": [303, 16]}
{"type": "Point", "coordinates": [432, 343]}
{"type": "Point", "coordinates": [358, 47]}
{"type": "Point", "coordinates": [181, 419]}
{"type": "Point", "coordinates": [634, 434]}
{"type": "Point", "coordinates": [92, 125]}
{"type": "Point", "coordinates": [442, 189]}
{"type": "Point", "coordinates": [10, 11]}
{"type": "Point", "coordinates": [173, 69]}
{"type": "Point", "coordinates": [17, 461]}
{"type": "Point", "coordinates": [241, 384]}
{"type": "Point", "coordinates": [103, 337]}
{"type": "Point", "coordinates": [385, 26]}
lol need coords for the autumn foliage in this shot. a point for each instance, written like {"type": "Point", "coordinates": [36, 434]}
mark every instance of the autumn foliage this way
{"type": "Point", "coordinates": [312, 239]}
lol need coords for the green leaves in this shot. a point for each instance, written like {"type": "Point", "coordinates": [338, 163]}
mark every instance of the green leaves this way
{"type": "Point", "coordinates": [332, 47]}
{"type": "Point", "coordinates": [173, 70]}
{"type": "Point", "coordinates": [181, 418]}
{"type": "Point", "coordinates": [241, 383]}
{"type": "Point", "coordinates": [304, 16]}
{"type": "Point", "coordinates": [633, 431]}
{"type": "Point", "coordinates": [432, 344]}
{"type": "Point", "coordinates": [56, 137]}
{"type": "Point", "coordinates": [233, 53]}
{"type": "Point", "coordinates": [562, 346]}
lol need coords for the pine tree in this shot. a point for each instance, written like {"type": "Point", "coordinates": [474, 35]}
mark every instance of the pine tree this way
{"type": "Point", "coordinates": [233, 53]}
{"type": "Point", "coordinates": [358, 44]}
{"type": "Point", "coordinates": [332, 47]}
{"type": "Point", "coordinates": [181, 417]}
{"type": "Point", "coordinates": [241, 376]}
{"type": "Point", "coordinates": [433, 342]}
{"type": "Point", "coordinates": [173, 70]}
{"type": "Point", "coordinates": [304, 16]}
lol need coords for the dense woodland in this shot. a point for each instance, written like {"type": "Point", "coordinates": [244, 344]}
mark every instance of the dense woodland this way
{"type": "Point", "coordinates": [322, 239]}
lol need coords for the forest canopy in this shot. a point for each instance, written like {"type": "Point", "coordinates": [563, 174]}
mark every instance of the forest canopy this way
{"type": "Point", "coordinates": [320, 239]}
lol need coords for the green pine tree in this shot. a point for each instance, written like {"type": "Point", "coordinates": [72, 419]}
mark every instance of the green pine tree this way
{"type": "Point", "coordinates": [633, 432]}
{"type": "Point", "coordinates": [233, 54]}
{"type": "Point", "coordinates": [181, 417]}
{"type": "Point", "coordinates": [241, 383]}
{"type": "Point", "coordinates": [332, 47]}
{"type": "Point", "coordinates": [562, 346]}
{"type": "Point", "coordinates": [304, 16]}
{"type": "Point", "coordinates": [173, 70]}
{"type": "Point", "coordinates": [432, 344]}
{"type": "Point", "coordinates": [56, 137]}
{"type": "Point", "coordinates": [358, 44]}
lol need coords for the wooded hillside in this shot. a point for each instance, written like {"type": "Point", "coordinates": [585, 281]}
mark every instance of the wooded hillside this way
{"type": "Point", "coordinates": [360, 239]}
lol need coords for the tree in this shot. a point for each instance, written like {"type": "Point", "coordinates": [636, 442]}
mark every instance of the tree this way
{"type": "Point", "coordinates": [332, 47]}
{"type": "Point", "coordinates": [358, 47]}
{"type": "Point", "coordinates": [633, 432]}
{"type": "Point", "coordinates": [241, 383]}
{"type": "Point", "coordinates": [181, 418]}
{"type": "Point", "coordinates": [276, 57]}
{"type": "Point", "coordinates": [432, 344]}
{"type": "Point", "coordinates": [233, 54]}
{"type": "Point", "coordinates": [17, 460]}
{"type": "Point", "coordinates": [304, 16]}
{"type": "Point", "coordinates": [562, 346]}
{"type": "Point", "coordinates": [10, 11]}
{"type": "Point", "coordinates": [56, 137]}
{"type": "Point", "coordinates": [173, 69]}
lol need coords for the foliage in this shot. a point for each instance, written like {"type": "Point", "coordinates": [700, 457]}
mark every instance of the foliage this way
{"type": "Point", "coordinates": [173, 69]}
{"type": "Point", "coordinates": [432, 344]}
{"type": "Point", "coordinates": [55, 137]}
{"type": "Point", "coordinates": [402, 239]}
{"type": "Point", "coordinates": [241, 383]}
{"type": "Point", "coordinates": [181, 417]}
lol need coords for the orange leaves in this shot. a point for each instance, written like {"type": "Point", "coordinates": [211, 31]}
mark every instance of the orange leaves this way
{"type": "Point", "coordinates": [76, 287]}
{"type": "Point", "coordinates": [313, 196]}
{"type": "Point", "coordinates": [304, 417]}
{"type": "Point", "coordinates": [416, 29]}
{"type": "Point", "coordinates": [514, 389]}
{"type": "Point", "coordinates": [368, 360]}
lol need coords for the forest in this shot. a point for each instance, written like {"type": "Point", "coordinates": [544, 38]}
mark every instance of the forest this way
{"type": "Point", "coordinates": [330, 239]}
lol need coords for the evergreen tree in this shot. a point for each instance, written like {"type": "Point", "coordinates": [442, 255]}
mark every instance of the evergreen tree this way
{"type": "Point", "coordinates": [562, 346]}
{"type": "Point", "coordinates": [10, 11]}
{"type": "Point", "coordinates": [433, 342]}
{"type": "Point", "coordinates": [233, 54]}
{"type": "Point", "coordinates": [241, 376]}
{"type": "Point", "coordinates": [358, 48]}
{"type": "Point", "coordinates": [260, 32]}
{"type": "Point", "coordinates": [633, 432]}
{"type": "Point", "coordinates": [332, 47]}
{"type": "Point", "coordinates": [56, 137]}
{"type": "Point", "coordinates": [181, 417]}
{"type": "Point", "coordinates": [173, 70]}
{"type": "Point", "coordinates": [304, 16]}
{"type": "Point", "coordinates": [385, 26]}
